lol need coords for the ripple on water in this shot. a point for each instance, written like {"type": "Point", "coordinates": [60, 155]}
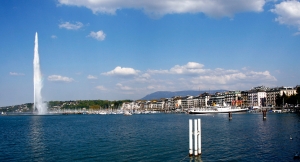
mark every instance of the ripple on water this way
{"type": "Point", "coordinates": [154, 137]}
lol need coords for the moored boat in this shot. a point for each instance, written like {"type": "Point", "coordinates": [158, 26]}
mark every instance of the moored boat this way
{"type": "Point", "coordinates": [127, 113]}
{"type": "Point", "coordinates": [216, 109]}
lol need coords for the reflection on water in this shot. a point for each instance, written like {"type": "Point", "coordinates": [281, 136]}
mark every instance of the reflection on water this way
{"type": "Point", "coordinates": [36, 138]}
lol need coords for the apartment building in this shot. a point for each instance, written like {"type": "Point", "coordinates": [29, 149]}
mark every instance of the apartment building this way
{"type": "Point", "coordinates": [233, 98]}
{"type": "Point", "coordinates": [218, 98]}
{"type": "Point", "coordinates": [272, 93]}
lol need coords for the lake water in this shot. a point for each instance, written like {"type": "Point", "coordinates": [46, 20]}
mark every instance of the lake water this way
{"type": "Point", "coordinates": [152, 137]}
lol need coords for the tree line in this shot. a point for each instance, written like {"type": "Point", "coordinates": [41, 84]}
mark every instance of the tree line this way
{"type": "Point", "coordinates": [88, 104]}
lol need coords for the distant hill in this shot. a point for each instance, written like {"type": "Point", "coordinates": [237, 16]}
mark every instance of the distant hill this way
{"type": "Point", "coordinates": [169, 94]}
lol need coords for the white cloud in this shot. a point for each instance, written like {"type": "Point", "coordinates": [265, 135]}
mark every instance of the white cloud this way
{"type": "Point", "coordinates": [189, 76]}
{"type": "Point", "coordinates": [189, 68]}
{"type": "Point", "coordinates": [119, 71]}
{"type": "Point", "coordinates": [91, 77]}
{"type": "Point", "coordinates": [101, 88]}
{"type": "Point", "coordinates": [150, 87]}
{"type": "Point", "coordinates": [53, 36]}
{"type": "Point", "coordinates": [143, 78]}
{"type": "Point", "coordinates": [99, 35]}
{"type": "Point", "coordinates": [221, 76]}
{"type": "Point", "coordinates": [297, 33]}
{"type": "Point", "coordinates": [288, 13]}
{"type": "Point", "coordinates": [146, 76]}
{"type": "Point", "coordinates": [16, 74]}
{"type": "Point", "coordinates": [213, 8]}
{"type": "Point", "coordinates": [70, 26]}
{"type": "Point", "coordinates": [158, 71]}
{"type": "Point", "coordinates": [59, 78]}
{"type": "Point", "coordinates": [192, 76]}
{"type": "Point", "coordinates": [122, 87]}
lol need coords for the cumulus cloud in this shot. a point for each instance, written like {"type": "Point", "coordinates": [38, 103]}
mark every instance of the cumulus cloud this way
{"type": "Point", "coordinates": [70, 26]}
{"type": "Point", "coordinates": [91, 77]}
{"type": "Point", "coordinates": [189, 68]}
{"type": "Point", "coordinates": [16, 74]}
{"type": "Point", "coordinates": [193, 74]}
{"type": "Point", "coordinates": [59, 78]}
{"type": "Point", "coordinates": [288, 13]}
{"type": "Point", "coordinates": [213, 8]}
{"type": "Point", "coordinates": [99, 35]}
{"type": "Point", "coordinates": [189, 76]}
{"type": "Point", "coordinates": [151, 71]}
{"type": "Point", "coordinates": [122, 87]}
{"type": "Point", "coordinates": [226, 77]}
{"type": "Point", "coordinates": [119, 71]}
{"type": "Point", "coordinates": [101, 88]}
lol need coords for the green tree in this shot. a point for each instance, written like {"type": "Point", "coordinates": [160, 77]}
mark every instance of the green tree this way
{"type": "Point", "coordinates": [292, 99]}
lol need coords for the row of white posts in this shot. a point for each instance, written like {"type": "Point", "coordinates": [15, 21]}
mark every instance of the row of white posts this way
{"type": "Point", "coordinates": [197, 137]}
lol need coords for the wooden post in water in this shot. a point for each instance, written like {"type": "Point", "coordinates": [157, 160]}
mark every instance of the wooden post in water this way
{"type": "Point", "coordinates": [195, 137]}
{"type": "Point", "coordinates": [191, 137]}
{"type": "Point", "coordinates": [199, 137]}
{"type": "Point", "coordinates": [230, 115]}
{"type": "Point", "coordinates": [264, 114]}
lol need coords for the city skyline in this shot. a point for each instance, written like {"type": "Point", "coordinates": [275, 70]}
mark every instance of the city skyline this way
{"type": "Point", "coordinates": [118, 50]}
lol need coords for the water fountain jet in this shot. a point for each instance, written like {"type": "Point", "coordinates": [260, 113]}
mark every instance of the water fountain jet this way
{"type": "Point", "coordinates": [37, 81]}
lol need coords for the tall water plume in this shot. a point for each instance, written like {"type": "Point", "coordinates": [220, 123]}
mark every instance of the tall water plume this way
{"type": "Point", "coordinates": [37, 81]}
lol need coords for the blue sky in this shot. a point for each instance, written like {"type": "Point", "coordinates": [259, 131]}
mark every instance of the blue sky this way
{"type": "Point", "coordinates": [125, 49]}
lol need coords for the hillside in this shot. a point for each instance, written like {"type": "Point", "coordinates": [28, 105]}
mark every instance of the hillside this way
{"type": "Point", "coordinates": [169, 94]}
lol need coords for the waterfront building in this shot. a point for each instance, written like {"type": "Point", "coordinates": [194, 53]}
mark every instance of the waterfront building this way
{"type": "Point", "coordinates": [201, 100]}
{"type": "Point", "coordinates": [272, 93]}
{"type": "Point", "coordinates": [161, 104]}
{"type": "Point", "coordinates": [217, 98]}
{"type": "Point", "coordinates": [186, 102]}
{"type": "Point", "coordinates": [233, 98]}
{"type": "Point", "coordinates": [257, 98]}
{"type": "Point", "coordinates": [177, 102]}
{"type": "Point", "coordinates": [196, 101]}
{"type": "Point", "coordinates": [170, 104]}
{"type": "Point", "coordinates": [153, 105]}
{"type": "Point", "coordinates": [244, 98]}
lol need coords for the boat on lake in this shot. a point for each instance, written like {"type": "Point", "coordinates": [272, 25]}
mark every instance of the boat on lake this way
{"type": "Point", "coordinates": [127, 113]}
{"type": "Point", "coordinates": [102, 113]}
{"type": "Point", "coordinates": [216, 109]}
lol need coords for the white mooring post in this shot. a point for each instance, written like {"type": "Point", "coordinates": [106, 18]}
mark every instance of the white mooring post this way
{"type": "Point", "coordinates": [195, 137]}
{"type": "Point", "coordinates": [199, 136]}
{"type": "Point", "coordinates": [191, 137]}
